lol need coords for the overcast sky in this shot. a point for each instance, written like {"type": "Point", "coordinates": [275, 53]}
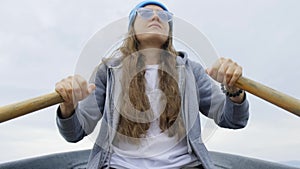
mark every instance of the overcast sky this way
{"type": "Point", "coordinates": [40, 42]}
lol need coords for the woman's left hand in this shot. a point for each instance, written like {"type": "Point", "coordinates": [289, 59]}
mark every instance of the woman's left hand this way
{"type": "Point", "coordinates": [227, 72]}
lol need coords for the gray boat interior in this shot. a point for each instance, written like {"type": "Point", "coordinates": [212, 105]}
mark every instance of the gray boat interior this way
{"type": "Point", "coordinates": [78, 160]}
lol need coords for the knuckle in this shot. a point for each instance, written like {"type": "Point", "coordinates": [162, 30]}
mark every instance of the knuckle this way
{"type": "Point", "coordinates": [69, 90]}
{"type": "Point", "coordinates": [241, 69]}
{"type": "Point", "coordinates": [229, 61]}
{"type": "Point", "coordinates": [236, 74]}
{"type": "Point", "coordinates": [59, 89]}
{"type": "Point", "coordinates": [228, 74]}
{"type": "Point", "coordinates": [57, 85]}
{"type": "Point", "coordinates": [76, 90]}
{"type": "Point", "coordinates": [65, 80]}
{"type": "Point", "coordinates": [221, 72]}
{"type": "Point", "coordinates": [213, 71]}
{"type": "Point", "coordinates": [69, 79]}
{"type": "Point", "coordinates": [78, 77]}
{"type": "Point", "coordinates": [83, 83]}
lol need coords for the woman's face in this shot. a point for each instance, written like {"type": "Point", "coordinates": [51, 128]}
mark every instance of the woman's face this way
{"type": "Point", "coordinates": [152, 31]}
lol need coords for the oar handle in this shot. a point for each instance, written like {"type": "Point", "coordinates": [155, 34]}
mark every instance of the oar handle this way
{"type": "Point", "coordinates": [275, 97]}
{"type": "Point", "coordinates": [21, 108]}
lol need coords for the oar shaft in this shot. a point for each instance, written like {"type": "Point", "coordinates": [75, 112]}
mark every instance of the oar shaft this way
{"type": "Point", "coordinates": [275, 97]}
{"type": "Point", "coordinates": [21, 108]}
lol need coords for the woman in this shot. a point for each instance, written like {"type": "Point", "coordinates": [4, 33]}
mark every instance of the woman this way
{"type": "Point", "coordinates": [149, 97]}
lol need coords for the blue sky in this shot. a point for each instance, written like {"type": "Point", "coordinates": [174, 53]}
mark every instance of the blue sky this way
{"type": "Point", "coordinates": [41, 41]}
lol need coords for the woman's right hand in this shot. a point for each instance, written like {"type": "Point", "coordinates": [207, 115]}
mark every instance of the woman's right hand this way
{"type": "Point", "coordinates": [72, 89]}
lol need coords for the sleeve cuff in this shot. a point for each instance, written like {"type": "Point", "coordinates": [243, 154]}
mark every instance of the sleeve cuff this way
{"type": "Point", "coordinates": [66, 124]}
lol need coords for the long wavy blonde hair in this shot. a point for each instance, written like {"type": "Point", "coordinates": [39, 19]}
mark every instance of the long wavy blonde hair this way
{"type": "Point", "coordinates": [135, 110]}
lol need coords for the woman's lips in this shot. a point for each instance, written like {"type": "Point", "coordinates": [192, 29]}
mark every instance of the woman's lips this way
{"type": "Point", "coordinates": [155, 25]}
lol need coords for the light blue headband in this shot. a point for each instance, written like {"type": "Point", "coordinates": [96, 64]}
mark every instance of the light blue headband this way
{"type": "Point", "coordinates": [143, 4]}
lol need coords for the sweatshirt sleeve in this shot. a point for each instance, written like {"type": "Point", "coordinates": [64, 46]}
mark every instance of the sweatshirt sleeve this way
{"type": "Point", "coordinates": [69, 128]}
{"type": "Point", "coordinates": [88, 112]}
{"type": "Point", "coordinates": [214, 104]}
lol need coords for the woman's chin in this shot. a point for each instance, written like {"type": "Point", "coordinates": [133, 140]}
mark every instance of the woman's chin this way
{"type": "Point", "coordinates": [155, 37]}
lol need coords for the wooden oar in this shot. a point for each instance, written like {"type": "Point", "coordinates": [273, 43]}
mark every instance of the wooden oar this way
{"type": "Point", "coordinates": [275, 97]}
{"type": "Point", "coordinates": [280, 99]}
{"type": "Point", "coordinates": [21, 108]}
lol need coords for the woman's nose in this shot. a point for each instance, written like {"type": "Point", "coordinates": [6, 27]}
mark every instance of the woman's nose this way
{"type": "Point", "coordinates": [155, 16]}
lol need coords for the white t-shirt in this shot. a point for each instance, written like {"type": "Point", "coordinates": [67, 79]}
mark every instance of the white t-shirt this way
{"type": "Point", "coordinates": [157, 149]}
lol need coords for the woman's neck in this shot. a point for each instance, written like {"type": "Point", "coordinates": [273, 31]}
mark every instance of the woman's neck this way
{"type": "Point", "coordinates": [152, 55]}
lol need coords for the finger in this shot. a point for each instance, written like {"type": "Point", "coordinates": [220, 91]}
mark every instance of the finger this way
{"type": "Point", "coordinates": [83, 86]}
{"type": "Point", "coordinates": [68, 86]}
{"type": "Point", "coordinates": [61, 90]}
{"type": "Point", "coordinates": [91, 87]}
{"type": "Point", "coordinates": [206, 71]}
{"type": "Point", "coordinates": [66, 89]}
{"type": "Point", "coordinates": [235, 76]}
{"type": "Point", "coordinates": [77, 93]}
{"type": "Point", "coordinates": [213, 71]}
{"type": "Point", "coordinates": [228, 74]}
{"type": "Point", "coordinates": [86, 89]}
{"type": "Point", "coordinates": [221, 72]}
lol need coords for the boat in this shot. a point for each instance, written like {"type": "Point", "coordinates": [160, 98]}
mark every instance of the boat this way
{"type": "Point", "coordinates": [79, 159]}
